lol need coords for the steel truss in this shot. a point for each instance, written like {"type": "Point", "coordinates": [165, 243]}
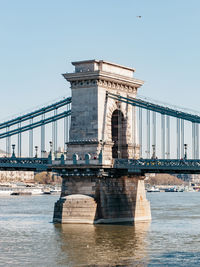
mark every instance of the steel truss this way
{"type": "Point", "coordinates": [36, 113]}
{"type": "Point", "coordinates": [155, 107]}
{"type": "Point", "coordinates": [36, 124]}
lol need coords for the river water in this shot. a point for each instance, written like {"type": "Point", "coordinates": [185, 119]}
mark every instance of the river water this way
{"type": "Point", "coordinates": [29, 238]}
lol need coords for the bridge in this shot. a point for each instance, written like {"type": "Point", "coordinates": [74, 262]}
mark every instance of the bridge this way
{"type": "Point", "coordinates": [111, 138]}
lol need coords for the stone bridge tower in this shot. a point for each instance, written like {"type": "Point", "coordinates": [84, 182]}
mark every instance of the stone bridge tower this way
{"type": "Point", "coordinates": [101, 124]}
{"type": "Point", "coordinates": [93, 190]}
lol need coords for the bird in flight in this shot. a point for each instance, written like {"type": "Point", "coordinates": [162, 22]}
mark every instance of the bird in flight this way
{"type": "Point", "coordinates": [139, 17]}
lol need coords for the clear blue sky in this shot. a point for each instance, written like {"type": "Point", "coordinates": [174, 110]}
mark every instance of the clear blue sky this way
{"type": "Point", "coordinates": [40, 38]}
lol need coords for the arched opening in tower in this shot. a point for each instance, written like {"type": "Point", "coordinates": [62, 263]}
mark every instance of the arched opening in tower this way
{"type": "Point", "coordinates": [119, 149]}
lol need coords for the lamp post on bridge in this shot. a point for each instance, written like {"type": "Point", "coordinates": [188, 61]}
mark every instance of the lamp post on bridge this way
{"type": "Point", "coordinates": [36, 150]}
{"type": "Point", "coordinates": [51, 147]}
{"type": "Point", "coordinates": [185, 151]}
{"type": "Point", "coordinates": [154, 152]}
{"type": "Point", "coordinates": [13, 148]}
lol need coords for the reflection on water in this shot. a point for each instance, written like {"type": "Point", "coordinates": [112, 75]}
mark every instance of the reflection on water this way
{"type": "Point", "coordinates": [100, 245]}
{"type": "Point", "coordinates": [29, 238]}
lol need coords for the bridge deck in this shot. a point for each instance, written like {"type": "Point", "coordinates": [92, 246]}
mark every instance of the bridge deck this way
{"type": "Point", "coordinates": [120, 166]}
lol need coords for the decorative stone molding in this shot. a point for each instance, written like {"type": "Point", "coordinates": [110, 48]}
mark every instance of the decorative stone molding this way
{"type": "Point", "coordinates": [105, 83]}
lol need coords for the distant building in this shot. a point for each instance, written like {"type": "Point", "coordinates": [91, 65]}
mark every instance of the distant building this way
{"type": "Point", "coordinates": [14, 176]}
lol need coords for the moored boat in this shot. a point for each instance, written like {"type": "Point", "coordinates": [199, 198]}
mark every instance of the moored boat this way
{"type": "Point", "coordinates": [153, 189]}
{"type": "Point", "coordinates": [9, 189]}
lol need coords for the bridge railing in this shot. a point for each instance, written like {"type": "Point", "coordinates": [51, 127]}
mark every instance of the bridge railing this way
{"type": "Point", "coordinates": [158, 165]}
{"type": "Point", "coordinates": [31, 164]}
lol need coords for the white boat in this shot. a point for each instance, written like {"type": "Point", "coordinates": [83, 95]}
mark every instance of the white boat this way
{"type": "Point", "coordinates": [153, 189]}
{"type": "Point", "coordinates": [5, 191]}
{"type": "Point", "coordinates": [17, 190]}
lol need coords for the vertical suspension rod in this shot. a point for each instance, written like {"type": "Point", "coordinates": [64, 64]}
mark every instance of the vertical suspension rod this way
{"type": "Point", "coordinates": [148, 133]}
{"type": "Point", "coordinates": [168, 137]}
{"type": "Point", "coordinates": [134, 131]}
{"type": "Point", "coordinates": [182, 138]}
{"type": "Point", "coordinates": [19, 141]}
{"type": "Point", "coordinates": [197, 141]}
{"type": "Point", "coordinates": [178, 138]}
{"type": "Point", "coordinates": [193, 140]}
{"type": "Point", "coordinates": [162, 136]}
{"type": "Point", "coordinates": [43, 137]}
{"type": "Point", "coordinates": [140, 131]}
{"type": "Point", "coordinates": [31, 140]}
{"type": "Point", "coordinates": [154, 131]}
{"type": "Point", "coordinates": [8, 143]}
{"type": "Point", "coordinates": [54, 134]}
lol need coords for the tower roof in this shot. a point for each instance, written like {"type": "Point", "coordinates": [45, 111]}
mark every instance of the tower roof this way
{"type": "Point", "coordinates": [101, 65]}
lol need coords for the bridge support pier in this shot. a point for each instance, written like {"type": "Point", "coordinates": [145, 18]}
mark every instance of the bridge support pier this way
{"type": "Point", "coordinates": [107, 200]}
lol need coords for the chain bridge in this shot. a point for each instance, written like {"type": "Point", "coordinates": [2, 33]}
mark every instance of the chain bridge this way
{"type": "Point", "coordinates": [111, 138]}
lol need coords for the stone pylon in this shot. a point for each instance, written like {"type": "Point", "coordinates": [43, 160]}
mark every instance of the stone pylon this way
{"type": "Point", "coordinates": [100, 124]}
